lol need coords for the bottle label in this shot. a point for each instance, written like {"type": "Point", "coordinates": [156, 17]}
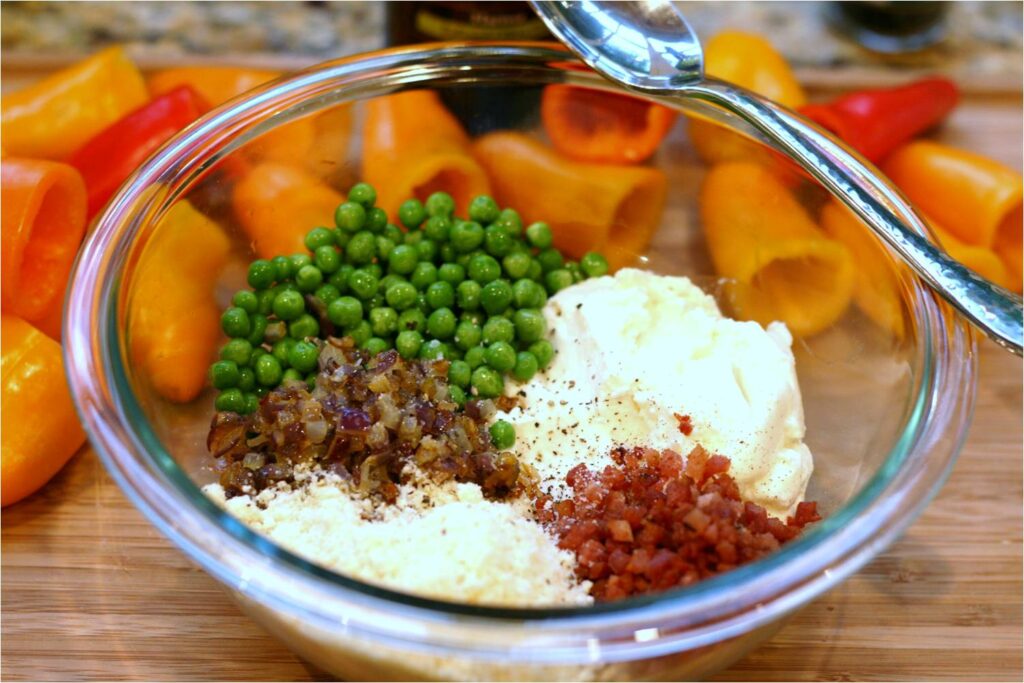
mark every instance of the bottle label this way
{"type": "Point", "coordinates": [514, 27]}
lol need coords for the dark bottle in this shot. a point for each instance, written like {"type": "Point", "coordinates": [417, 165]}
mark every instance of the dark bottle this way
{"type": "Point", "coordinates": [890, 27]}
{"type": "Point", "coordinates": [480, 108]}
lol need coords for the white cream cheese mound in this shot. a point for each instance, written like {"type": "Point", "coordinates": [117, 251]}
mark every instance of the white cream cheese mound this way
{"type": "Point", "coordinates": [446, 542]}
{"type": "Point", "coordinates": [634, 348]}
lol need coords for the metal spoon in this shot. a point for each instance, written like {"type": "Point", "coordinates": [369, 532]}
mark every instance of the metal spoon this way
{"type": "Point", "coordinates": [647, 46]}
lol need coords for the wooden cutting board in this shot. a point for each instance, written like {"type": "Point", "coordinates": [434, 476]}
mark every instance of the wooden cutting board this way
{"type": "Point", "coordinates": [91, 591]}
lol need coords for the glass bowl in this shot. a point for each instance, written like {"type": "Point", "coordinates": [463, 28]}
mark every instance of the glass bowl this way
{"type": "Point", "coordinates": [887, 407]}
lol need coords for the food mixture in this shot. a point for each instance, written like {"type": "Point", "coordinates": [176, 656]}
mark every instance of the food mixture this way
{"type": "Point", "coordinates": [532, 431]}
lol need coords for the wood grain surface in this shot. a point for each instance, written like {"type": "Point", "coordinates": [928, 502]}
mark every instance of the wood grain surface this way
{"type": "Point", "coordinates": [91, 591]}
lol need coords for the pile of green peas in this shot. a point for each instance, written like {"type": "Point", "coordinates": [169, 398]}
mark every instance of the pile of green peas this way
{"type": "Point", "coordinates": [468, 290]}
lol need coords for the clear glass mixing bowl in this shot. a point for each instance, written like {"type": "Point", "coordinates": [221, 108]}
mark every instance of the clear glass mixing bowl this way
{"type": "Point", "coordinates": [886, 413]}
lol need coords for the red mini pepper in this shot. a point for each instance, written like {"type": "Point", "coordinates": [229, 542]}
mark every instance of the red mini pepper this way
{"type": "Point", "coordinates": [875, 122]}
{"type": "Point", "coordinates": [110, 157]}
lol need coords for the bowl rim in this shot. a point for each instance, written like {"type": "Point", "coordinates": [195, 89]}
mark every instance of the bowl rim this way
{"type": "Point", "coordinates": [700, 614]}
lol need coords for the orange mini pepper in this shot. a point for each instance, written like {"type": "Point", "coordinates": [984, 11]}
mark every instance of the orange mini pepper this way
{"type": "Point", "coordinates": [174, 321]}
{"type": "Point", "coordinates": [782, 266]}
{"type": "Point", "coordinates": [977, 199]}
{"type": "Point", "coordinates": [40, 427]}
{"type": "Point", "coordinates": [43, 205]}
{"type": "Point", "coordinates": [276, 205]}
{"type": "Point", "coordinates": [749, 61]}
{"type": "Point", "coordinates": [590, 125]}
{"type": "Point", "coordinates": [54, 117]}
{"type": "Point", "coordinates": [590, 207]}
{"type": "Point", "coordinates": [413, 146]}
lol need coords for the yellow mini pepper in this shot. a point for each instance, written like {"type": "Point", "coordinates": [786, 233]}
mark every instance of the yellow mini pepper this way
{"type": "Point", "coordinates": [57, 115]}
{"type": "Point", "coordinates": [780, 264]}
{"type": "Point", "coordinates": [174, 321]}
{"type": "Point", "coordinates": [40, 427]}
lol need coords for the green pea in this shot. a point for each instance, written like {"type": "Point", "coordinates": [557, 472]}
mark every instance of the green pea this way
{"type": "Point", "coordinates": [384, 247]}
{"type": "Point", "coordinates": [361, 248]}
{"type": "Point", "coordinates": [299, 261]}
{"type": "Point", "coordinates": [308, 278]}
{"type": "Point", "coordinates": [375, 270]}
{"type": "Point", "coordinates": [350, 217]}
{"type": "Point", "coordinates": [281, 350]}
{"type": "Point", "coordinates": [283, 267]}
{"type": "Point", "coordinates": [412, 213]}
{"type": "Point", "coordinates": [252, 402]}
{"type": "Point", "coordinates": [224, 374]}
{"type": "Point", "coordinates": [291, 375]}
{"type": "Point", "coordinates": [289, 305]}
{"type": "Point", "coordinates": [529, 324]}
{"type": "Point", "coordinates": [452, 273]}
{"type": "Point", "coordinates": [230, 401]}
{"type": "Point", "coordinates": [437, 228]}
{"type": "Point", "coordinates": [594, 264]}
{"type": "Point", "coordinates": [535, 273]}
{"type": "Point", "coordinates": [441, 323]}
{"type": "Point", "coordinates": [376, 220]}
{"type": "Point", "coordinates": [256, 353]}
{"type": "Point", "coordinates": [412, 238]}
{"type": "Point", "coordinates": [466, 236]}
{"type": "Point", "coordinates": [394, 233]}
{"type": "Point", "coordinates": [362, 283]}
{"type": "Point", "coordinates": [526, 366]}
{"type": "Point", "coordinates": [262, 274]}
{"type": "Point", "coordinates": [440, 295]}
{"type": "Point", "coordinates": [478, 318]}
{"type": "Point", "coordinates": [304, 326]}
{"type": "Point", "coordinates": [412, 319]}
{"type": "Point", "coordinates": [340, 278]}
{"type": "Point", "coordinates": [447, 254]}
{"type": "Point", "coordinates": [383, 321]}
{"type": "Point", "coordinates": [497, 241]}
{"type": "Point", "coordinates": [498, 328]}
{"type": "Point", "coordinates": [510, 221]}
{"type": "Point", "coordinates": [375, 345]}
{"type": "Point", "coordinates": [408, 343]}
{"type": "Point", "coordinates": [246, 379]}
{"type": "Point", "coordinates": [403, 259]}
{"type": "Point", "coordinates": [341, 238]}
{"type": "Point", "coordinates": [258, 325]}
{"type": "Point", "coordinates": [268, 371]}
{"type": "Point", "coordinates": [557, 280]}
{"type": "Point", "coordinates": [363, 194]}
{"type": "Point", "coordinates": [467, 295]}
{"type": "Point", "coordinates": [544, 352]}
{"type": "Point", "coordinates": [550, 259]}
{"type": "Point", "coordinates": [375, 301]}
{"type": "Point", "coordinates": [345, 311]}
{"type": "Point", "coordinates": [265, 299]}
{"type": "Point", "coordinates": [400, 295]}
{"type": "Point", "coordinates": [237, 351]}
{"type": "Point", "coordinates": [426, 249]}
{"type": "Point", "coordinates": [319, 237]}
{"type": "Point", "coordinates": [360, 332]}
{"type": "Point", "coordinates": [500, 356]}
{"type": "Point", "coordinates": [483, 210]}
{"type": "Point", "coordinates": [261, 391]}
{"type": "Point", "coordinates": [459, 373]}
{"type": "Point", "coordinates": [303, 356]}
{"type": "Point", "coordinates": [457, 395]}
{"type": "Point", "coordinates": [503, 435]}
{"type": "Point", "coordinates": [235, 322]}
{"type": "Point", "coordinates": [327, 293]}
{"type": "Point", "coordinates": [424, 275]}
{"type": "Point", "coordinates": [539, 235]}
{"type": "Point", "coordinates": [246, 300]}
{"type": "Point", "coordinates": [276, 331]}
{"type": "Point", "coordinates": [421, 303]}
{"type": "Point", "coordinates": [576, 272]}
{"type": "Point", "coordinates": [384, 284]}
{"type": "Point", "coordinates": [475, 356]}
{"type": "Point", "coordinates": [432, 349]}
{"type": "Point", "coordinates": [486, 382]}
{"type": "Point", "coordinates": [496, 296]}
{"type": "Point", "coordinates": [516, 265]}
{"type": "Point", "coordinates": [327, 259]}
{"type": "Point", "coordinates": [483, 269]}
{"type": "Point", "coordinates": [440, 204]}
{"type": "Point", "coordinates": [467, 335]}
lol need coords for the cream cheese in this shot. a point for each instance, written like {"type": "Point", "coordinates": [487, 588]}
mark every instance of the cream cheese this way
{"type": "Point", "coordinates": [636, 348]}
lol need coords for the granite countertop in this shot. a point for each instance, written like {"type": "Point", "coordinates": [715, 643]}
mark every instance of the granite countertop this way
{"type": "Point", "coordinates": [983, 39]}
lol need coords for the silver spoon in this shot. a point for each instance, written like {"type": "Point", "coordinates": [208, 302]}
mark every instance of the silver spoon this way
{"type": "Point", "coordinates": [647, 46]}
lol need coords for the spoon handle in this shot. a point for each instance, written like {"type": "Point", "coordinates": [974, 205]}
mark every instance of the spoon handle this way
{"type": "Point", "coordinates": [852, 180]}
